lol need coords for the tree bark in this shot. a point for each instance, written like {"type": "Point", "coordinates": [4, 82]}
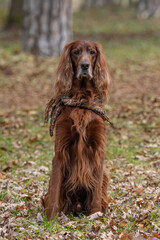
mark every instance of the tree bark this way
{"type": "Point", "coordinates": [47, 26]}
{"type": "Point", "coordinates": [148, 8]}
{"type": "Point", "coordinates": [15, 14]}
{"type": "Point", "coordinates": [126, 3]}
{"type": "Point", "coordinates": [95, 3]}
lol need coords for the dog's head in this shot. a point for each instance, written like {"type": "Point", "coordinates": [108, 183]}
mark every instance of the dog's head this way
{"type": "Point", "coordinates": [82, 60]}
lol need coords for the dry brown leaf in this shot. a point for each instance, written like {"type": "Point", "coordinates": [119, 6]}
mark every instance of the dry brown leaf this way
{"type": "Point", "coordinates": [122, 224]}
{"type": "Point", "coordinates": [155, 236]}
{"type": "Point", "coordinates": [2, 175]}
{"type": "Point", "coordinates": [140, 225]}
{"type": "Point", "coordinates": [126, 236]}
{"type": "Point", "coordinates": [33, 139]}
{"type": "Point", "coordinates": [139, 190]}
{"type": "Point", "coordinates": [17, 144]}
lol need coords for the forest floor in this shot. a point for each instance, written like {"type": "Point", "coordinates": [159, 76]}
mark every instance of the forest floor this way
{"type": "Point", "coordinates": [133, 156]}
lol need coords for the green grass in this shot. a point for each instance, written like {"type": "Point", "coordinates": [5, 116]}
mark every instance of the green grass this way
{"type": "Point", "coordinates": [121, 24]}
{"type": "Point", "coordinates": [3, 195]}
{"type": "Point", "coordinates": [130, 49]}
{"type": "Point", "coordinates": [155, 215]}
{"type": "Point", "coordinates": [117, 20]}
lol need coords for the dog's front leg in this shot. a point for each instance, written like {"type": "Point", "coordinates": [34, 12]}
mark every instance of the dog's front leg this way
{"type": "Point", "coordinates": [97, 193]}
{"type": "Point", "coordinates": [51, 200]}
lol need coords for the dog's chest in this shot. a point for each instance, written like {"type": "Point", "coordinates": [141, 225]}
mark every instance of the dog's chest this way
{"type": "Point", "coordinates": [81, 119]}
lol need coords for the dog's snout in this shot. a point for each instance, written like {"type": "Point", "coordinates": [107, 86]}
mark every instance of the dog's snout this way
{"type": "Point", "coordinates": [85, 65]}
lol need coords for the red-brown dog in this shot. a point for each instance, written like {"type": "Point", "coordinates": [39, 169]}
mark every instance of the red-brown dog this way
{"type": "Point", "coordinates": [78, 182]}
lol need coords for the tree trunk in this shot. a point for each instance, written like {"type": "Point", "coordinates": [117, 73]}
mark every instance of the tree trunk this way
{"type": "Point", "coordinates": [15, 14]}
{"type": "Point", "coordinates": [128, 3]}
{"type": "Point", "coordinates": [148, 8]}
{"type": "Point", "coordinates": [47, 26]}
{"type": "Point", "coordinates": [95, 3]}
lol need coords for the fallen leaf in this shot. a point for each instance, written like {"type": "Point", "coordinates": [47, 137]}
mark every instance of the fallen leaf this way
{"type": "Point", "coordinates": [33, 139]}
{"type": "Point", "coordinates": [122, 224]}
{"type": "Point", "coordinates": [140, 225]}
{"type": "Point", "coordinates": [39, 218]}
{"type": "Point", "coordinates": [2, 175]}
{"type": "Point", "coordinates": [126, 236]}
{"type": "Point", "coordinates": [17, 144]}
{"type": "Point", "coordinates": [95, 216]}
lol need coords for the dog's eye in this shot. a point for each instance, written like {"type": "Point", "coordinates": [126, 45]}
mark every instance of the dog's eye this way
{"type": "Point", "coordinates": [76, 52]}
{"type": "Point", "coordinates": [92, 52]}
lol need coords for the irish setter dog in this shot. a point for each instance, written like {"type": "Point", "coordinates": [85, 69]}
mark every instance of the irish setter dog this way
{"type": "Point", "coordinates": [78, 182]}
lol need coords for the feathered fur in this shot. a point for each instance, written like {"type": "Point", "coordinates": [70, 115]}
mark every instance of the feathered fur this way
{"type": "Point", "coordinates": [78, 182]}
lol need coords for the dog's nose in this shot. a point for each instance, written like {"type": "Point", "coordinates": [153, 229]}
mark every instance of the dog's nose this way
{"type": "Point", "coordinates": [85, 65]}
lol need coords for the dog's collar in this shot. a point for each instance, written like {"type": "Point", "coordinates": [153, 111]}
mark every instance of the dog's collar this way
{"type": "Point", "coordinates": [54, 108]}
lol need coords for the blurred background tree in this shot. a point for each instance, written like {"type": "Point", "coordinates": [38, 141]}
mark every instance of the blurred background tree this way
{"type": "Point", "coordinates": [47, 26]}
{"type": "Point", "coordinates": [148, 8]}
{"type": "Point", "coordinates": [15, 14]}
{"type": "Point", "coordinates": [95, 3]}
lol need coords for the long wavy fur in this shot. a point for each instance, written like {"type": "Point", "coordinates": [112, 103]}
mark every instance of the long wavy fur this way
{"type": "Point", "coordinates": [78, 182]}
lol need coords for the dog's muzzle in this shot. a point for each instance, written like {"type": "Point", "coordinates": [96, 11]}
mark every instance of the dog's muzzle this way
{"type": "Point", "coordinates": [84, 70]}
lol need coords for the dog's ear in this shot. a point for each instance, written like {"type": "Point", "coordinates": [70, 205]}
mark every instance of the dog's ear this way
{"type": "Point", "coordinates": [101, 73]}
{"type": "Point", "coordinates": [65, 71]}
